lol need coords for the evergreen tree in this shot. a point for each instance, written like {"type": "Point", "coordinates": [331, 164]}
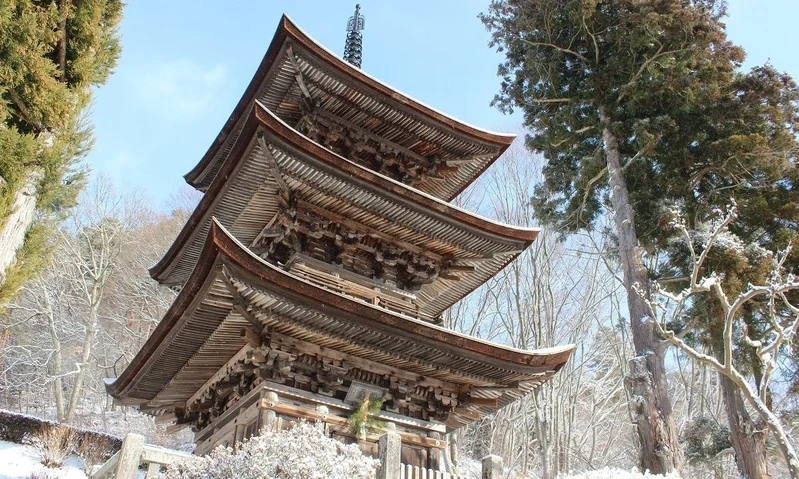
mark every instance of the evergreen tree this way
{"type": "Point", "coordinates": [648, 94]}
{"type": "Point", "coordinates": [51, 54]}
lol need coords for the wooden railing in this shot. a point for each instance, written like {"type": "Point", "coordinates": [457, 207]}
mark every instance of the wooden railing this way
{"type": "Point", "coordinates": [415, 472]}
{"type": "Point", "coordinates": [390, 447]}
{"type": "Point", "coordinates": [134, 453]}
{"type": "Point", "coordinates": [125, 463]}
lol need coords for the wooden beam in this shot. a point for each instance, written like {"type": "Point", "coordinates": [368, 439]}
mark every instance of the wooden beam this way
{"type": "Point", "coordinates": [500, 389]}
{"type": "Point", "coordinates": [300, 412]}
{"type": "Point", "coordinates": [266, 228]}
{"type": "Point", "coordinates": [301, 258]}
{"type": "Point", "coordinates": [375, 233]}
{"type": "Point", "coordinates": [273, 165]}
{"type": "Point", "coordinates": [287, 342]}
{"type": "Point", "coordinates": [299, 77]}
{"type": "Point", "coordinates": [449, 277]}
{"type": "Point", "coordinates": [330, 117]}
{"type": "Point", "coordinates": [483, 402]}
{"type": "Point", "coordinates": [221, 374]}
{"type": "Point", "coordinates": [468, 159]}
{"type": "Point", "coordinates": [240, 304]}
{"type": "Point", "coordinates": [460, 267]}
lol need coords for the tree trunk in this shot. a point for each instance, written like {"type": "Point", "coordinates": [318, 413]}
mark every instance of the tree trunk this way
{"type": "Point", "coordinates": [748, 439]}
{"type": "Point", "coordinates": [77, 388]}
{"type": "Point", "coordinates": [13, 229]}
{"type": "Point", "coordinates": [58, 391]}
{"type": "Point", "coordinates": [772, 421]}
{"type": "Point", "coordinates": [63, 6]}
{"type": "Point", "coordinates": [660, 448]}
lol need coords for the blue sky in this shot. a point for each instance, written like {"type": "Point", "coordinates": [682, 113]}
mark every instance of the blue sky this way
{"type": "Point", "coordinates": [185, 64]}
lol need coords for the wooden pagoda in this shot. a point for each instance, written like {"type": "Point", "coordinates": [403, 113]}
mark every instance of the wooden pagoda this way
{"type": "Point", "coordinates": [314, 271]}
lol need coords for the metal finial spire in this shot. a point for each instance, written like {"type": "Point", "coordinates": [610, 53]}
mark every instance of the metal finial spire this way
{"type": "Point", "coordinates": [354, 46]}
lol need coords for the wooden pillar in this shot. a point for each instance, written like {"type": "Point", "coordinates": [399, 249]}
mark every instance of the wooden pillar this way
{"type": "Point", "coordinates": [321, 416]}
{"type": "Point", "coordinates": [130, 457]}
{"type": "Point", "coordinates": [434, 458]}
{"type": "Point", "coordinates": [492, 467]}
{"type": "Point", "coordinates": [268, 417]}
{"type": "Point", "coordinates": [390, 446]}
{"type": "Point", "coordinates": [152, 470]}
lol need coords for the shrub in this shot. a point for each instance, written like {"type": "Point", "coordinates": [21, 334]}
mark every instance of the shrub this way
{"type": "Point", "coordinates": [55, 444]}
{"type": "Point", "coordinates": [44, 473]}
{"type": "Point", "coordinates": [302, 452]}
{"type": "Point", "coordinates": [94, 451]}
{"type": "Point", "coordinates": [23, 429]}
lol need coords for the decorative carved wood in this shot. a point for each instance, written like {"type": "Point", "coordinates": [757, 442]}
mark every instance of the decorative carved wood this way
{"type": "Point", "coordinates": [370, 150]}
{"type": "Point", "coordinates": [305, 229]}
{"type": "Point", "coordinates": [290, 363]}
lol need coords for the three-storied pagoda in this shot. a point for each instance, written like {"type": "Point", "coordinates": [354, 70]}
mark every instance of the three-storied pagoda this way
{"type": "Point", "coordinates": [315, 270]}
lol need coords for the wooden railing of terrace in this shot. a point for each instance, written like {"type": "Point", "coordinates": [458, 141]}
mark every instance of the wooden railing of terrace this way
{"type": "Point", "coordinates": [390, 446]}
{"type": "Point", "coordinates": [126, 462]}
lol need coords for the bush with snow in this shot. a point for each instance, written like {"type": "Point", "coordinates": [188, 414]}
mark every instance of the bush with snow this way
{"type": "Point", "coordinates": [302, 452]}
{"type": "Point", "coordinates": [55, 444]}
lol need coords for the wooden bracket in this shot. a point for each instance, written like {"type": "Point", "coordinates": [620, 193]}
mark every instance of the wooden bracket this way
{"type": "Point", "coordinates": [273, 165]}
{"type": "Point", "coordinates": [308, 99]}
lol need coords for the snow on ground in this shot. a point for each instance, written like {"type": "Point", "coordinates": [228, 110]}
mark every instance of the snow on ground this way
{"type": "Point", "coordinates": [18, 461]}
{"type": "Point", "coordinates": [613, 473]}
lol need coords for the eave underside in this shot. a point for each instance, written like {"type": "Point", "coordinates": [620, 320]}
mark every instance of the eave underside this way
{"type": "Point", "coordinates": [247, 198]}
{"type": "Point", "coordinates": [233, 302]}
{"type": "Point", "coordinates": [298, 77]}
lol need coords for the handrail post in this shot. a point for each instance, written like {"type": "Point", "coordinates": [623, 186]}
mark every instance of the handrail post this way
{"type": "Point", "coordinates": [130, 457]}
{"type": "Point", "coordinates": [390, 446]}
{"type": "Point", "coordinates": [492, 467]}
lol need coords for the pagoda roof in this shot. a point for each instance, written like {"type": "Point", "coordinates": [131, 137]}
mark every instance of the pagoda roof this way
{"type": "Point", "coordinates": [202, 331]}
{"type": "Point", "coordinates": [245, 195]}
{"type": "Point", "coordinates": [296, 67]}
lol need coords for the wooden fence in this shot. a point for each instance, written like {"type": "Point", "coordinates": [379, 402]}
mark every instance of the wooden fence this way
{"type": "Point", "coordinates": [414, 472]}
{"type": "Point", "coordinates": [125, 463]}
{"type": "Point", "coordinates": [390, 446]}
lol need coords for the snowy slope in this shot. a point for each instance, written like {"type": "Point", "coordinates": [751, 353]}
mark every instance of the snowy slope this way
{"type": "Point", "coordinates": [18, 461]}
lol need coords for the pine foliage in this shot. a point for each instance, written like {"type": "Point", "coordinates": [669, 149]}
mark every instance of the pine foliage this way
{"type": "Point", "coordinates": [363, 418]}
{"type": "Point", "coordinates": [53, 53]}
{"type": "Point", "coordinates": [691, 125]}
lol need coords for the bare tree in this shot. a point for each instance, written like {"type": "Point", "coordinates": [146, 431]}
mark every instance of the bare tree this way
{"type": "Point", "coordinates": [555, 293]}
{"type": "Point", "coordinates": [778, 310]}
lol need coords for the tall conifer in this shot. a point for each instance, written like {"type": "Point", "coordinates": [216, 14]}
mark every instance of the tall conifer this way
{"type": "Point", "coordinates": [638, 105]}
{"type": "Point", "coordinates": [51, 53]}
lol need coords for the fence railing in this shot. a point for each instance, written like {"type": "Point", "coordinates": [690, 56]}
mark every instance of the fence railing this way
{"type": "Point", "coordinates": [125, 463]}
{"type": "Point", "coordinates": [391, 467]}
{"type": "Point", "coordinates": [415, 472]}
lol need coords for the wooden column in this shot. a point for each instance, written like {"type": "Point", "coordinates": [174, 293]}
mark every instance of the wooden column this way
{"type": "Point", "coordinates": [390, 446]}
{"type": "Point", "coordinates": [435, 455]}
{"type": "Point", "coordinates": [130, 456]}
{"type": "Point", "coordinates": [492, 467]}
{"type": "Point", "coordinates": [268, 417]}
{"type": "Point", "coordinates": [321, 416]}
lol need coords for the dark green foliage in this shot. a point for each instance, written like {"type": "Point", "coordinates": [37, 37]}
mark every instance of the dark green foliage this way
{"type": "Point", "coordinates": [691, 127]}
{"type": "Point", "coordinates": [694, 131]}
{"type": "Point", "coordinates": [52, 53]}
{"type": "Point", "coordinates": [362, 418]}
{"type": "Point", "coordinates": [704, 439]}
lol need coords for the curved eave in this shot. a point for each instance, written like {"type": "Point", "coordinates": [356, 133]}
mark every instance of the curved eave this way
{"type": "Point", "coordinates": [288, 30]}
{"type": "Point", "coordinates": [221, 248]}
{"type": "Point", "coordinates": [262, 118]}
